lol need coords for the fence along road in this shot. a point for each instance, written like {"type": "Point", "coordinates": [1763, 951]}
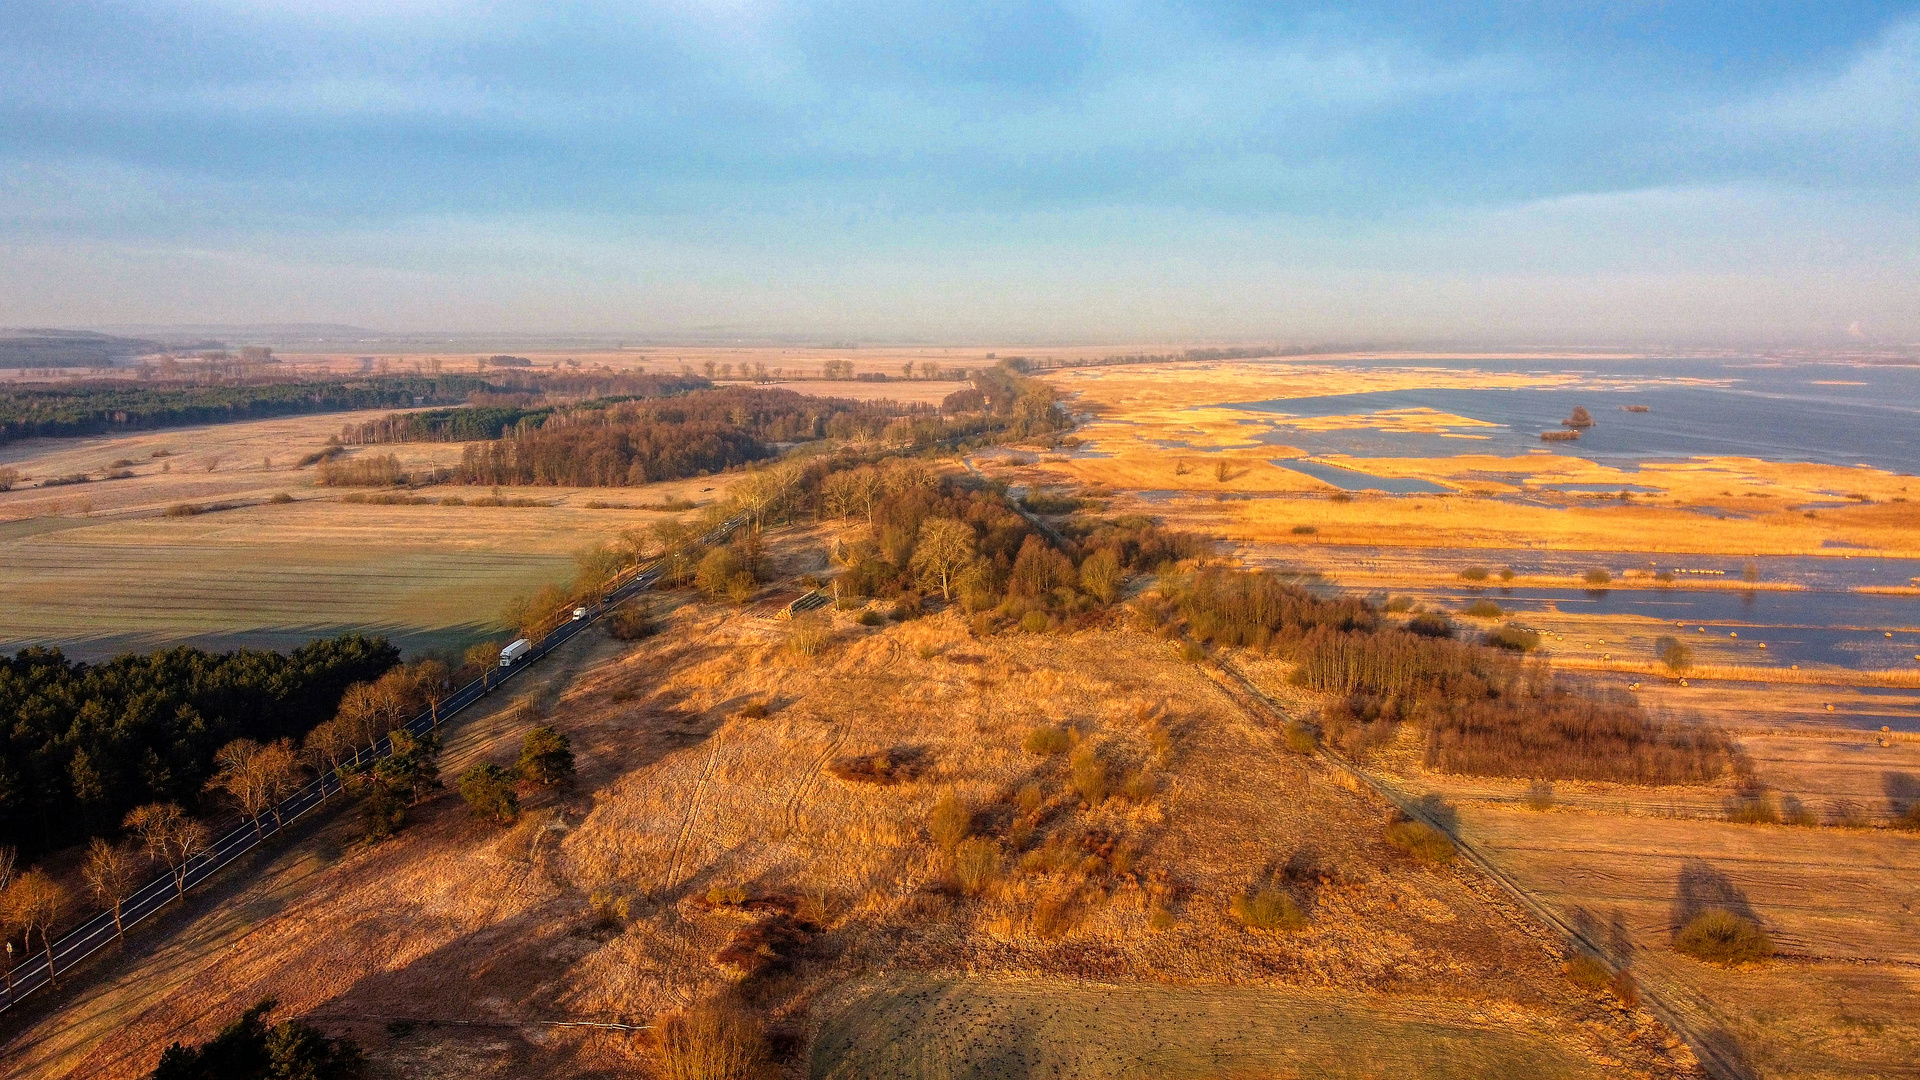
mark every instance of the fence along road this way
{"type": "Point", "coordinates": [98, 932]}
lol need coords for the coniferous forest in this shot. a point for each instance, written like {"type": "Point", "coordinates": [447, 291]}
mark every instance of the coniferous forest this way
{"type": "Point", "coordinates": [84, 743]}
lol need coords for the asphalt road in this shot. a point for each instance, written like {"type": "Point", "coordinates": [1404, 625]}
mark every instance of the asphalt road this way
{"type": "Point", "coordinates": [33, 972]}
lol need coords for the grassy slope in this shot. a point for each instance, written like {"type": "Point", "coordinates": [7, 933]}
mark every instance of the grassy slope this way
{"type": "Point", "coordinates": [678, 792]}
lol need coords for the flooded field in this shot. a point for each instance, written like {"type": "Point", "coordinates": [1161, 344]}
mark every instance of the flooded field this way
{"type": "Point", "coordinates": [1828, 414]}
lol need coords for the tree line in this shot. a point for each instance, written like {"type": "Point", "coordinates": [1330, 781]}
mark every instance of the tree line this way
{"type": "Point", "coordinates": [633, 443]}
{"type": "Point", "coordinates": [490, 420]}
{"type": "Point", "coordinates": [85, 743]}
{"type": "Point", "coordinates": [106, 406]}
{"type": "Point", "coordinates": [1482, 708]}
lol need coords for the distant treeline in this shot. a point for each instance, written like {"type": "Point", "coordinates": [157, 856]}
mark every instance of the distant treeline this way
{"type": "Point", "coordinates": [97, 407]}
{"type": "Point", "coordinates": [84, 743]}
{"type": "Point", "coordinates": [1483, 710]}
{"type": "Point", "coordinates": [490, 421]}
{"type": "Point", "coordinates": [631, 443]}
{"type": "Point", "coordinates": [630, 440]}
{"type": "Point", "coordinates": [1255, 352]}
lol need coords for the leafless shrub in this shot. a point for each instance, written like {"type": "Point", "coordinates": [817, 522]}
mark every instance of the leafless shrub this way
{"type": "Point", "coordinates": [713, 1042]}
{"type": "Point", "coordinates": [976, 865]}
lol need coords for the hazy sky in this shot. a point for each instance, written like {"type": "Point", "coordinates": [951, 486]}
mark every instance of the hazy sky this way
{"type": "Point", "coordinates": [1576, 171]}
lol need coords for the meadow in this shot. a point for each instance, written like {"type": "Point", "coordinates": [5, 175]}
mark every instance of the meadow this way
{"type": "Point", "coordinates": [266, 558]}
{"type": "Point", "coordinates": [729, 836]}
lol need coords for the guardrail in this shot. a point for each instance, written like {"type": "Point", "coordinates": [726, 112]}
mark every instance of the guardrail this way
{"type": "Point", "coordinates": [38, 970]}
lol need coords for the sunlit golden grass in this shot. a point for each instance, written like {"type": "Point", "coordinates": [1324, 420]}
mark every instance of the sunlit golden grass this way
{"type": "Point", "coordinates": [690, 810]}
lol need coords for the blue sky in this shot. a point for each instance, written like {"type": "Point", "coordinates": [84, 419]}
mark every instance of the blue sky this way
{"type": "Point", "coordinates": [1547, 172]}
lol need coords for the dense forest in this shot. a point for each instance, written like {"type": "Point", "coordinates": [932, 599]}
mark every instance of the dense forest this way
{"type": "Point", "coordinates": [630, 443]}
{"type": "Point", "coordinates": [488, 420]}
{"type": "Point", "coordinates": [667, 427]}
{"type": "Point", "coordinates": [84, 743]}
{"type": "Point", "coordinates": [104, 406]}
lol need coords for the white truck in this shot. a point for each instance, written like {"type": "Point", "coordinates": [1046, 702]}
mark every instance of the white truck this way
{"type": "Point", "coordinates": [579, 613]}
{"type": "Point", "coordinates": [515, 652]}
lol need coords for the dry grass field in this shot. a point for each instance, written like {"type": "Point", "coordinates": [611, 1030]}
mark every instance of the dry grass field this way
{"type": "Point", "coordinates": [101, 568]}
{"type": "Point", "coordinates": [998, 1027]}
{"type": "Point", "coordinates": [726, 836]}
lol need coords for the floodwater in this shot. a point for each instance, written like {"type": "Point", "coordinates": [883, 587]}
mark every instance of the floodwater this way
{"type": "Point", "coordinates": [1835, 414]}
{"type": "Point", "coordinates": [1840, 629]}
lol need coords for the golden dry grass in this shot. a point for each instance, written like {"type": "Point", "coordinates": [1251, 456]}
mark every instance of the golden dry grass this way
{"type": "Point", "coordinates": [685, 794]}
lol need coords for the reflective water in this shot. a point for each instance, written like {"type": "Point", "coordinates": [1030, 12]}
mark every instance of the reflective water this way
{"type": "Point", "coordinates": [1838, 414]}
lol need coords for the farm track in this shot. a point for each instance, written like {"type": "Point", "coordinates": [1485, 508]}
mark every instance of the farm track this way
{"type": "Point", "coordinates": [672, 876]}
{"type": "Point", "coordinates": [789, 820]}
{"type": "Point", "coordinates": [1686, 1013]}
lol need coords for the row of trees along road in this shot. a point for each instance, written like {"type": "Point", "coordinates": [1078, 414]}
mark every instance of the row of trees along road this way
{"type": "Point", "coordinates": [248, 776]}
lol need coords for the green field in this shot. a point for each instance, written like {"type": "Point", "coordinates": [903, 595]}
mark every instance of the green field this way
{"type": "Point", "coordinates": [275, 576]}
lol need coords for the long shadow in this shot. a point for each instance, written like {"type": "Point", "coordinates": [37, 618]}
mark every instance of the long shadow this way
{"type": "Point", "coordinates": [1903, 790]}
{"type": "Point", "coordinates": [1701, 888]}
{"type": "Point", "coordinates": [212, 910]}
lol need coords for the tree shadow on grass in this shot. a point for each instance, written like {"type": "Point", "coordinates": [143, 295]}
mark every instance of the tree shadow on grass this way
{"type": "Point", "coordinates": [1903, 790]}
{"type": "Point", "coordinates": [1702, 888]}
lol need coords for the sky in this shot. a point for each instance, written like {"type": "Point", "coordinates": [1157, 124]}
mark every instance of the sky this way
{"type": "Point", "coordinates": [1539, 173]}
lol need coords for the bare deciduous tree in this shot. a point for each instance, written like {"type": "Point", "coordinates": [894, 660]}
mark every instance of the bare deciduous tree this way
{"type": "Point", "coordinates": [327, 744]}
{"type": "Point", "coordinates": [241, 774]}
{"type": "Point", "coordinates": [170, 836]}
{"type": "Point", "coordinates": [35, 902]}
{"type": "Point", "coordinates": [111, 872]}
{"type": "Point", "coordinates": [946, 548]}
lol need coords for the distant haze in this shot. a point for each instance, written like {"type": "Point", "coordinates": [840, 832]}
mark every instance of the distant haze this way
{"type": "Point", "coordinates": [1640, 173]}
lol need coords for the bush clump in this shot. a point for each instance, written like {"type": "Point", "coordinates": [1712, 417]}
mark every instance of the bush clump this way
{"type": "Point", "coordinates": [950, 822]}
{"type": "Point", "coordinates": [1047, 741]}
{"type": "Point", "coordinates": [1431, 625]}
{"type": "Point", "coordinates": [976, 865]}
{"type": "Point", "coordinates": [713, 1043]}
{"type": "Point", "coordinates": [1513, 638]}
{"type": "Point", "coordinates": [1598, 576]}
{"type": "Point", "coordinates": [1270, 910]}
{"type": "Point", "coordinates": [1474, 573]}
{"type": "Point", "coordinates": [1300, 738]}
{"type": "Point", "coordinates": [1721, 937]}
{"type": "Point", "coordinates": [1426, 844]}
{"type": "Point", "coordinates": [1586, 972]}
{"type": "Point", "coordinates": [1677, 655]}
{"type": "Point", "coordinates": [1484, 609]}
{"type": "Point", "coordinates": [1089, 776]}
